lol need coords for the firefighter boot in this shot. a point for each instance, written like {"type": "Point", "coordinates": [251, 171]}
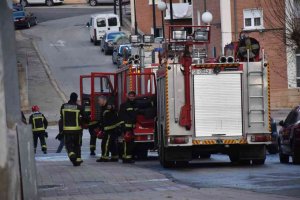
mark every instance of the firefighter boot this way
{"type": "Point", "coordinates": [79, 161]}
{"type": "Point", "coordinates": [92, 153]}
{"type": "Point", "coordinates": [44, 149]}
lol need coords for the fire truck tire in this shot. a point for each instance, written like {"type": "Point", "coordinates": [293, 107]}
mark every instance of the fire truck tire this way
{"type": "Point", "coordinates": [163, 161]}
{"type": "Point", "coordinates": [258, 161]}
{"type": "Point", "coordinates": [244, 162]}
{"type": "Point", "coordinates": [141, 152]}
{"type": "Point", "coordinates": [205, 156]}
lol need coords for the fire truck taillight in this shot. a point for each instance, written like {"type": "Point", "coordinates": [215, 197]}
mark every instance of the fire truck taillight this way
{"type": "Point", "coordinates": [260, 138]}
{"type": "Point", "coordinates": [179, 140]}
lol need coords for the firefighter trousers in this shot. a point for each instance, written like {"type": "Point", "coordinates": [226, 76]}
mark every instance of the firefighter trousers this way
{"type": "Point", "coordinates": [109, 144]}
{"type": "Point", "coordinates": [41, 137]}
{"type": "Point", "coordinates": [93, 139]}
{"type": "Point", "coordinates": [73, 144]}
{"type": "Point", "coordinates": [128, 150]}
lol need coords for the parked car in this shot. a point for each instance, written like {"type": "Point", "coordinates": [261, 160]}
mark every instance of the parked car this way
{"type": "Point", "coordinates": [273, 148]}
{"type": "Point", "coordinates": [23, 19]}
{"type": "Point", "coordinates": [289, 137]}
{"type": "Point", "coordinates": [107, 44]}
{"type": "Point", "coordinates": [95, 2]}
{"type": "Point", "coordinates": [99, 24]}
{"type": "Point", "coordinates": [46, 2]}
{"type": "Point", "coordinates": [120, 52]}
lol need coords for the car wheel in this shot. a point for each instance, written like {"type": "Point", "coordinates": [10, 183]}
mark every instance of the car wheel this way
{"type": "Point", "coordinates": [49, 2]}
{"type": "Point", "coordinates": [282, 157]}
{"type": "Point", "coordinates": [28, 25]}
{"type": "Point", "coordinates": [93, 2]}
{"type": "Point", "coordinates": [296, 158]}
{"type": "Point", "coordinates": [24, 3]}
{"type": "Point", "coordinates": [95, 42]}
{"type": "Point", "coordinates": [105, 51]}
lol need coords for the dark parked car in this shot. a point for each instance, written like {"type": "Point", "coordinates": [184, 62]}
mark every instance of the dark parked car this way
{"type": "Point", "coordinates": [273, 148]}
{"type": "Point", "coordinates": [289, 137]}
{"type": "Point", "coordinates": [119, 53]}
{"type": "Point", "coordinates": [107, 43]}
{"type": "Point", "coordinates": [23, 19]}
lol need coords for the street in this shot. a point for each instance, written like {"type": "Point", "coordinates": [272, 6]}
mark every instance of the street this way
{"type": "Point", "coordinates": [63, 40]}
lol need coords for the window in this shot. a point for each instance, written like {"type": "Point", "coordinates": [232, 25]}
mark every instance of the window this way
{"type": "Point", "coordinates": [112, 36]}
{"type": "Point", "coordinates": [112, 21]}
{"type": "Point", "coordinates": [101, 22]}
{"type": "Point", "coordinates": [253, 19]}
{"type": "Point", "coordinates": [298, 67]}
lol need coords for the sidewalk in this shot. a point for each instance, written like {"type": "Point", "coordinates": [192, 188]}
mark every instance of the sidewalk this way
{"type": "Point", "coordinates": [40, 90]}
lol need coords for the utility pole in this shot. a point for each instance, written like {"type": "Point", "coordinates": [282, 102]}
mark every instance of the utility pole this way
{"type": "Point", "coordinates": [205, 6]}
{"type": "Point", "coordinates": [135, 22]}
{"type": "Point", "coordinates": [120, 12]}
{"type": "Point", "coordinates": [171, 12]}
{"type": "Point", "coordinates": [115, 7]}
{"type": "Point", "coordinates": [154, 18]}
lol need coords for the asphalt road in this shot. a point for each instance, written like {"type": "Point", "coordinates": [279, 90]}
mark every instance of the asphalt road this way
{"type": "Point", "coordinates": [64, 43]}
{"type": "Point", "coordinates": [66, 46]}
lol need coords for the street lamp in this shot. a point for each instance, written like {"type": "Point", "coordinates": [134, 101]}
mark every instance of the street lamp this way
{"type": "Point", "coordinates": [162, 6]}
{"type": "Point", "coordinates": [207, 17]}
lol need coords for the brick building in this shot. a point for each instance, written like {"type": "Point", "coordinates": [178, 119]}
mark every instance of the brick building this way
{"type": "Point", "coordinates": [253, 18]}
{"type": "Point", "coordinates": [144, 16]}
{"type": "Point", "coordinates": [230, 18]}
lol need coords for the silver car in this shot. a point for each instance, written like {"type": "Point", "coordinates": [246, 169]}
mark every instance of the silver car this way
{"type": "Point", "coordinates": [95, 2]}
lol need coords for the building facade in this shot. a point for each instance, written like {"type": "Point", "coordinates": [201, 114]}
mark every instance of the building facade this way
{"type": "Point", "coordinates": [231, 19]}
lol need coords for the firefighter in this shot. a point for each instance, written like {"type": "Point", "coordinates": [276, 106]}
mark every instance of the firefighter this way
{"type": "Point", "coordinates": [39, 125]}
{"type": "Point", "coordinates": [92, 126]}
{"type": "Point", "coordinates": [72, 116]}
{"type": "Point", "coordinates": [128, 113]}
{"type": "Point", "coordinates": [109, 125]}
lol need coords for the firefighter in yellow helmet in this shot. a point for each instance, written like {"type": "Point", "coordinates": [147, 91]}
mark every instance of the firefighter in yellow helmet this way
{"type": "Point", "coordinates": [72, 116]}
{"type": "Point", "coordinates": [39, 125]}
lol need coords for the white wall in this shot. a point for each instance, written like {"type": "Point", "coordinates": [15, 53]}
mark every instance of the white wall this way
{"type": "Point", "coordinates": [225, 10]}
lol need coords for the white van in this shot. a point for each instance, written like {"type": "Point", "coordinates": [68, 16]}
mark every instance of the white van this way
{"type": "Point", "coordinates": [99, 24]}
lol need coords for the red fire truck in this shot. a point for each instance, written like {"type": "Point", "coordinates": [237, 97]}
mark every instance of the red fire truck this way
{"type": "Point", "coordinates": [116, 86]}
{"type": "Point", "coordinates": [211, 106]}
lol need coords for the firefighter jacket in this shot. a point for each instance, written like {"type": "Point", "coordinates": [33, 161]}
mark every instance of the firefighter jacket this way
{"type": "Point", "coordinates": [72, 116]}
{"type": "Point", "coordinates": [39, 122]}
{"type": "Point", "coordinates": [128, 113]}
{"type": "Point", "coordinates": [109, 119]}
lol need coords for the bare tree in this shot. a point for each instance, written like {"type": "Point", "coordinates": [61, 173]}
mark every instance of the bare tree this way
{"type": "Point", "coordinates": [284, 15]}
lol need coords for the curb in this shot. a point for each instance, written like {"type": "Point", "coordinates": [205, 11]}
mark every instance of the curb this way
{"type": "Point", "coordinates": [49, 74]}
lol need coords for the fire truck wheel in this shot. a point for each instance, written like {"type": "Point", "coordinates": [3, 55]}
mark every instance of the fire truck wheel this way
{"type": "Point", "coordinates": [296, 158]}
{"type": "Point", "coordinates": [141, 153]}
{"type": "Point", "coordinates": [206, 155]}
{"type": "Point", "coordinates": [258, 161]}
{"type": "Point", "coordinates": [163, 161]}
{"type": "Point", "coordinates": [244, 162]}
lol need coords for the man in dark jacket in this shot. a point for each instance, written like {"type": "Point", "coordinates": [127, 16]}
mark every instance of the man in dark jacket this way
{"type": "Point", "coordinates": [72, 116]}
{"type": "Point", "coordinates": [127, 115]}
{"type": "Point", "coordinates": [109, 125]}
{"type": "Point", "coordinates": [39, 125]}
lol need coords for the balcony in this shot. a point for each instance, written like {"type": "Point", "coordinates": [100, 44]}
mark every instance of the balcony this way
{"type": "Point", "coordinates": [180, 11]}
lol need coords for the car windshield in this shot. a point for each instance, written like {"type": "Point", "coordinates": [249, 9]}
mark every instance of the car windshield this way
{"type": "Point", "coordinates": [19, 14]}
{"type": "Point", "coordinates": [112, 21]}
{"type": "Point", "coordinates": [123, 48]}
{"type": "Point", "coordinates": [112, 36]}
{"type": "Point", "coordinates": [101, 22]}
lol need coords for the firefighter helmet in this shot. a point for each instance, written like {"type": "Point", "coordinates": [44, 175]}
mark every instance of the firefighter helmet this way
{"type": "Point", "coordinates": [128, 136]}
{"type": "Point", "coordinates": [35, 108]}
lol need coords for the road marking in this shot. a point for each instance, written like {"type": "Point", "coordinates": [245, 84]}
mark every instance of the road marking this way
{"type": "Point", "coordinates": [59, 43]}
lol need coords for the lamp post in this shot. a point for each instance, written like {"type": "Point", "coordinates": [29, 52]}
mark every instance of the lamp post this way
{"type": "Point", "coordinates": [135, 22]}
{"type": "Point", "coordinates": [162, 6]}
{"type": "Point", "coordinates": [154, 18]}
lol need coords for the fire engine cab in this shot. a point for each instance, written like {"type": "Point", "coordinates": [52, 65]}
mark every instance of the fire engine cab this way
{"type": "Point", "coordinates": [208, 106]}
{"type": "Point", "coordinates": [116, 86]}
